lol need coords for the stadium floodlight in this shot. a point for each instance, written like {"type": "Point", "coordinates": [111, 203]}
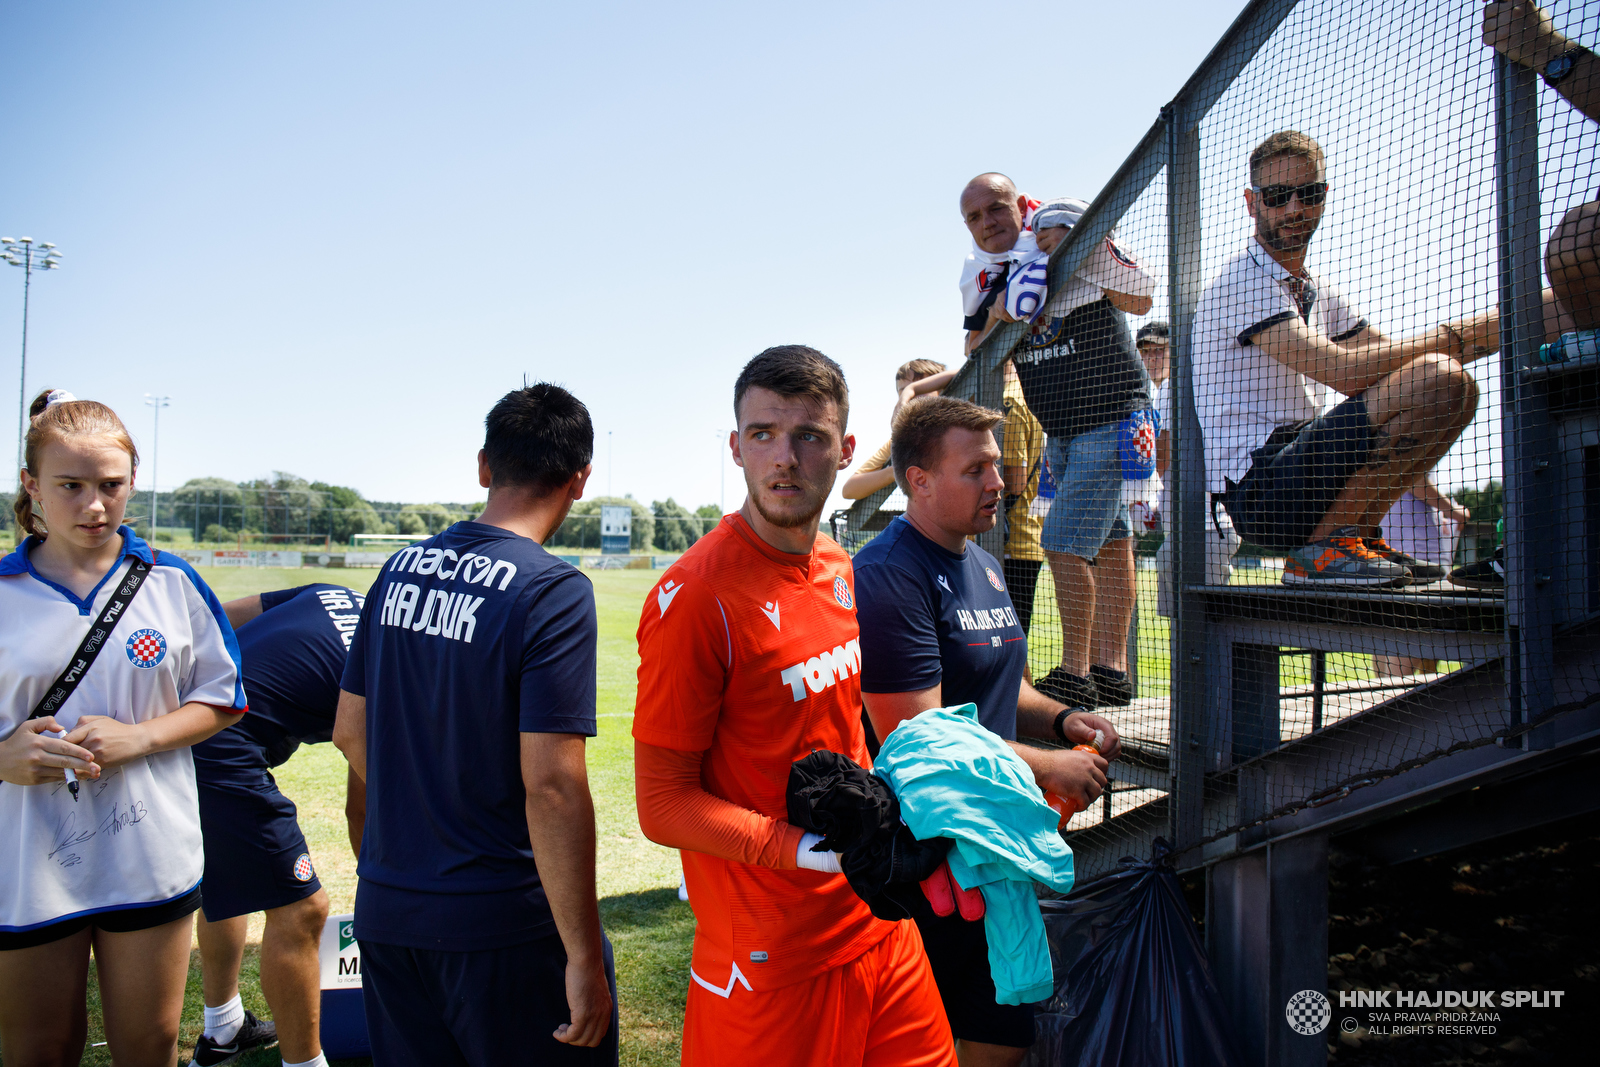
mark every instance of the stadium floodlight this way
{"type": "Point", "coordinates": [157, 402]}
{"type": "Point", "coordinates": [23, 252]}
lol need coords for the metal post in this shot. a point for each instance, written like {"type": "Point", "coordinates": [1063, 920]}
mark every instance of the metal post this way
{"type": "Point", "coordinates": [1319, 684]}
{"type": "Point", "coordinates": [22, 383]}
{"type": "Point", "coordinates": [1267, 936]}
{"type": "Point", "coordinates": [1187, 473]}
{"type": "Point", "coordinates": [989, 385]}
{"type": "Point", "coordinates": [1527, 434]}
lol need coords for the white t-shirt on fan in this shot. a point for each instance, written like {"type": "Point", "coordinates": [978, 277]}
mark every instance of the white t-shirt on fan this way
{"type": "Point", "coordinates": [1241, 393]}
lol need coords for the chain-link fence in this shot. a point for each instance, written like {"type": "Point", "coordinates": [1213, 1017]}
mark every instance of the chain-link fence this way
{"type": "Point", "coordinates": [1372, 538]}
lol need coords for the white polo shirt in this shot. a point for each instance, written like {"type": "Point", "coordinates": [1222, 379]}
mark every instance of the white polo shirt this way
{"type": "Point", "coordinates": [1243, 394]}
{"type": "Point", "coordinates": [132, 838]}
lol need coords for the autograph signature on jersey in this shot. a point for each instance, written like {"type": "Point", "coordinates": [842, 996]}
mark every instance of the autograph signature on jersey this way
{"type": "Point", "coordinates": [67, 833]}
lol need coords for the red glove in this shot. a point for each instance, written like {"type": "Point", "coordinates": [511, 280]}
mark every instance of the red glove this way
{"type": "Point", "coordinates": [946, 896]}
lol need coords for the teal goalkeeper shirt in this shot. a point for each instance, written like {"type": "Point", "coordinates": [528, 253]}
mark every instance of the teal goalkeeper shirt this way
{"type": "Point", "coordinates": [956, 779]}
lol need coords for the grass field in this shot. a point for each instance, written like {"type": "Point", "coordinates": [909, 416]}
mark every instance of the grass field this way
{"type": "Point", "coordinates": [649, 928]}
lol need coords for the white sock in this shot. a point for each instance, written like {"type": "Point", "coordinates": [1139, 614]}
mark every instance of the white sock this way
{"type": "Point", "coordinates": [222, 1024]}
{"type": "Point", "coordinates": [316, 1061]}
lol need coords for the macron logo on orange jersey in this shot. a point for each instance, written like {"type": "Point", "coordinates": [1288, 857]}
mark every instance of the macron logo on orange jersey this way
{"type": "Point", "coordinates": [823, 669]}
{"type": "Point", "coordinates": [665, 594]}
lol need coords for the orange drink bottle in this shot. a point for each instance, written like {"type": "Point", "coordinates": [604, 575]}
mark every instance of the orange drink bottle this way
{"type": "Point", "coordinates": [1067, 807]}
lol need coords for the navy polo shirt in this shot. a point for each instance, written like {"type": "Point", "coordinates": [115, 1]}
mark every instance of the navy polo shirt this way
{"type": "Point", "coordinates": [468, 640]}
{"type": "Point", "coordinates": [931, 617]}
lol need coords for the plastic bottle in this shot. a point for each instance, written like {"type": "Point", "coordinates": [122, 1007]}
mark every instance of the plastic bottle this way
{"type": "Point", "coordinates": [1067, 807]}
{"type": "Point", "coordinates": [1571, 346]}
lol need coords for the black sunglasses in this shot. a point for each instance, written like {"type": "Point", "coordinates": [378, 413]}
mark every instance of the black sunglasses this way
{"type": "Point", "coordinates": [1311, 194]}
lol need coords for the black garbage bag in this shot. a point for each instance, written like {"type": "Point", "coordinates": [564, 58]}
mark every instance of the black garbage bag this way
{"type": "Point", "coordinates": [1133, 988]}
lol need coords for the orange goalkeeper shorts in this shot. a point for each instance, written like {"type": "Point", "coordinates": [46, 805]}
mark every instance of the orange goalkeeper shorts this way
{"type": "Point", "coordinates": [881, 1009]}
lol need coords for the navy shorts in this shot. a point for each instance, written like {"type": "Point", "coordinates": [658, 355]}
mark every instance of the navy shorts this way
{"type": "Point", "coordinates": [113, 921]}
{"type": "Point", "coordinates": [1295, 476]}
{"type": "Point", "coordinates": [256, 856]}
{"type": "Point", "coordinates": [437, 1009]}
{"type": "Point", "coordinates": [959, 954]}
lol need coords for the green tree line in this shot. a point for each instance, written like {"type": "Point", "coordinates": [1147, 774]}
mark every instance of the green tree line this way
{"type": "Point", "coordinates": [217, 509]}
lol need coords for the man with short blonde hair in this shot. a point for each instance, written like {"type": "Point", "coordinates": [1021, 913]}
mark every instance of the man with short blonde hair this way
{"type": "Point", "coordinates": [939, 630]}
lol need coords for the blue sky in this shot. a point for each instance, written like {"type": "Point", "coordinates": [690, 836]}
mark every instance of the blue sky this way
{"type": "Point", "coordinates": [335, 233]}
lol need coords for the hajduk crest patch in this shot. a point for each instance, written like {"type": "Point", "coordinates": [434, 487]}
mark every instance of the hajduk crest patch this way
{"type": "Point", "coordinates": [841, 592]}
{"type": "Point", "coordinates": [146, 648]}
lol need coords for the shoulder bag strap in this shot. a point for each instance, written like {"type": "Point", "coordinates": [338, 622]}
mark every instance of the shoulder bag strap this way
{"type": "Point", "coordinates": [94, 641]}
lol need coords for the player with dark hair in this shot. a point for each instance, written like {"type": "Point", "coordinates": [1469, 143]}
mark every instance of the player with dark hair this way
{"type": "Point", "coordinates": [749, 661]}
{"type": "Point", "coordinates": [468, 696]}
{"type": "Point", "coordinates": [293, 643]}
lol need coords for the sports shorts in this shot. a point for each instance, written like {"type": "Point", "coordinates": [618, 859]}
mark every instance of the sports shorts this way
{"type": "Point", "coordinates": [429, 1008]}
{"type": "Point", "coordinates": [116, 921]}
{"type": "Point", "coordinates": [881, 1009]}
{"type": "Point", "coordinates": [959, 953]}
{"type": "Point", "coordinates": [256, 855]}
{"type": "Point", "coordinates": [1088, 509]}
{"type": "Point", "coordinates": [1295, 476]}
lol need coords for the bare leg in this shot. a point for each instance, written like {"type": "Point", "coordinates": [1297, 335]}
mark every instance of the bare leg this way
{"type": "Point", "coordinates": [142, 976]}
{"type": "Point", "coordinates": [44, 1017]}
{"type": "Point", "coordinates": [977, 1054]}
{"type": "Point", "coordinates": [1075, 584]}
{"type": "Point", "coordinates": [1418, 412]}
{"type": "Point", "coordinates": [221, 955]}
{"type": "Point", "coordinates": [1573, 266]}
{"type": "Point", "coordinates": [1113, 602]}
{"type": "Point", "coordinates": [291, 977]}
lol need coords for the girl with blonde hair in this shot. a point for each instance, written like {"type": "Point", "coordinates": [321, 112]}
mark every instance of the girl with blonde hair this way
{"type": "Point", "coordinates": [113, 661]}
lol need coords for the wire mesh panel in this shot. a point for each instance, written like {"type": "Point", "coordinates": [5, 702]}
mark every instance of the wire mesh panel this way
{"type": "Point", "coordinates": [1371, 540]}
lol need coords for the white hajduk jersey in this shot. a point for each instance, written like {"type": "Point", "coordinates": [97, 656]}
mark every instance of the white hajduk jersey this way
{"type": "Point", "coordinates": [132, 838]}
{"type": "Point", "coordinates": [1241, 393]}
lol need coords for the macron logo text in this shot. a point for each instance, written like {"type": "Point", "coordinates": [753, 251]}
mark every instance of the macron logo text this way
{"type": "Point", "coordinates": [470, 568]}
{"type": "Point", "coordinates": [823, 669]}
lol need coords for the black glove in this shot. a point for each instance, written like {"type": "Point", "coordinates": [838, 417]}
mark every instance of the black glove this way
{"type": "Point", "coordinates": [859, 818]}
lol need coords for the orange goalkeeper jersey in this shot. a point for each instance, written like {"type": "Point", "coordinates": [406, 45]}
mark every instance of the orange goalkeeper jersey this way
{"type": "Point", "coordinates": [750, 655]}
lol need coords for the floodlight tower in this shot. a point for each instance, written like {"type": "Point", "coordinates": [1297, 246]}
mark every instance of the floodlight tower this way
{"type": "Point", "coordinates": [157, 402]}
{"type": "Point", "coordinates": [30, 255]}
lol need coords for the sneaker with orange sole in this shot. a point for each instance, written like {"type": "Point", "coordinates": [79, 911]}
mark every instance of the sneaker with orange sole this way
{"type": "Point", "coordinates": [1342, 559]}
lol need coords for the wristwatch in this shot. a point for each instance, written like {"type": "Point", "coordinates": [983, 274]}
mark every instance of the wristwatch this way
{"type": "Point", "coordinates": [1561, 66]}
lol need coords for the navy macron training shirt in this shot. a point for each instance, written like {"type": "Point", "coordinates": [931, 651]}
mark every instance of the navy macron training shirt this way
{"type": "Point", "coordinates": [930, 617]}
{"type": "Point", "coordinates": [468, 640]}
{"type": "Point", "coordinates": [294, 654]}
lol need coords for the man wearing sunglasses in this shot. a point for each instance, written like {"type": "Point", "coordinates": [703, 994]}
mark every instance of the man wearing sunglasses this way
{"type": "Point", "coordinates": [1271, 342]}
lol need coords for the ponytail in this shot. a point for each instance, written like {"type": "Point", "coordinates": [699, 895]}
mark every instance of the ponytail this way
{"type": "Point", "coordinates": [56, 414]}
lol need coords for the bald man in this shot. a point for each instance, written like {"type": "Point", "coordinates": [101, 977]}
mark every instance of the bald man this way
{"type": "Point", "coordinates": [1083, 380]}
